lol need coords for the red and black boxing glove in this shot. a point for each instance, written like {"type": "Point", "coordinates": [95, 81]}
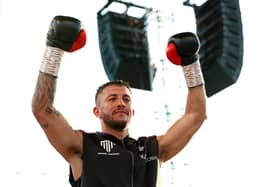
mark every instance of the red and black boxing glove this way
{"type": "Point", "coordinates": [182, 48]}
{"type": "Point", "coordinates": [66, 33]}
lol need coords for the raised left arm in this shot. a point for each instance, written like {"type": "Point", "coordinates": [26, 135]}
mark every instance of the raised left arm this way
{"type": "Point", "coordinates": [182, 50]}
{"type": "Point", "coordinates": [181, 132]}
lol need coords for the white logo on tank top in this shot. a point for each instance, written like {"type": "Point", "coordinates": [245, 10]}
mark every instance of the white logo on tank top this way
{"type": "Point", "coordinates": [107, 145]}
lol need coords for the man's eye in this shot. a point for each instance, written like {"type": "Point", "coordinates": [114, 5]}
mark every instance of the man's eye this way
{"type": "Point", "coordinates": [112, 99]}
{"type": "Point", "coordinates": [126, 99]}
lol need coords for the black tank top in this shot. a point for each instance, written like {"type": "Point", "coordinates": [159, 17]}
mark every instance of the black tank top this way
{"type": "Point", "coordinates": [110, 162]}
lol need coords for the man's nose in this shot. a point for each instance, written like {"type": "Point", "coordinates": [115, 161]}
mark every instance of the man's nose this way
{"type": "Point", "coordinates": [121, 102]}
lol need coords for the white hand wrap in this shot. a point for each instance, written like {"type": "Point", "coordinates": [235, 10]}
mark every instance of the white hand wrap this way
{"type": "Point", "coordinates": [51, 61]}
{"type": "Point", "coordinates": [193, 74]}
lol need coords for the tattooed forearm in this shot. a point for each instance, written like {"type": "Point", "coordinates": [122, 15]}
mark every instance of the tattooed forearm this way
{"type": "Point", "coordinates": [51, 110]}
{"type": "Point", "coordinates": [44, 125]}
{"type": "Point", "coordinates": [43, 97]}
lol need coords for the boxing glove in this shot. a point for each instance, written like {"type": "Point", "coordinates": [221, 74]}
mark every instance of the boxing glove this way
{"type": "Point", "coordinates": [182, 48]}
{"type": "Point", "coordinates": [66, 33]}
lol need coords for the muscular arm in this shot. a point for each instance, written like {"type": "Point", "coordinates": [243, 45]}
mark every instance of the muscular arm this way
{"type": "Point", "coordinates": [181, 132]}
{"type": "Point", "coordinates": [182, 49]}
{"type": "Point", "coordinates": [58, 131]}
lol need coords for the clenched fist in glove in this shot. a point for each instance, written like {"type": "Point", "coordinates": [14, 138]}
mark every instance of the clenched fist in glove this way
{"type": "Point", "coordinates": [182, 49]}
{"type": "Point", "coordinates": [65, 34]}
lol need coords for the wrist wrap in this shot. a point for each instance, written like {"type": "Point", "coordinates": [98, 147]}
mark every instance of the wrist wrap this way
{"type": "Point", "coordinates": [193, 74]}
{"type": "Point", "coordinates": [51, 61]}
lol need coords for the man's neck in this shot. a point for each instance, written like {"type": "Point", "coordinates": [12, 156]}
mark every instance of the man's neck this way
{"type": "Point", "coordinates": [120, 134]}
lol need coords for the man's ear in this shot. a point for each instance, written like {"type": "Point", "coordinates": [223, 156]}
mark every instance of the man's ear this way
{"type": "Point", "coordinates": [96, 111]}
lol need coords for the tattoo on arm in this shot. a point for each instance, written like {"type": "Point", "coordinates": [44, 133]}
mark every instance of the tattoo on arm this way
{"type": "Point", "coordinates": [51, 110]}
{"type": "Point", "coordinates": [43, 97]}
{"type": "Point", "coordinates": [44, 125]}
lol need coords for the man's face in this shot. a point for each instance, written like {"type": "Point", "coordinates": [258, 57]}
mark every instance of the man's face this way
{"type": "Point", "coordinates": [114, 107]}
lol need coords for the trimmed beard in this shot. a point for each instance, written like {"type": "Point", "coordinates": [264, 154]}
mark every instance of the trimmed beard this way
{"type": "Point", "coordinates": [114, 124]}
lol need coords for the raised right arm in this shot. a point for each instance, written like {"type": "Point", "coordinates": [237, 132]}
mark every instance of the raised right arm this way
{"type": "Point", "coordinates": [58, 131]}
{"type": "Point", "coordinates": [65, 34]}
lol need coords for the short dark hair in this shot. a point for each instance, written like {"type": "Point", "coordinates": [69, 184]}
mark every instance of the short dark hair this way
{"type": "Point", "coordinates": [110, 83]}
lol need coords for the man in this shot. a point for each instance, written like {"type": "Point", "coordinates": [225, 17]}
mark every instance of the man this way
{"type": "Point", "coordinates": [111, 157]}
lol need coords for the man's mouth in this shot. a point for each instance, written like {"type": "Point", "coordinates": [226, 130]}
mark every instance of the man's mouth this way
{"type": "Point", "coordinates": [121, 112]}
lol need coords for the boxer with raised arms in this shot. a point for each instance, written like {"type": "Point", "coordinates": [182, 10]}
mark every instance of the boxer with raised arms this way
{"type": "Point", "coordinates": [111, 158]}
